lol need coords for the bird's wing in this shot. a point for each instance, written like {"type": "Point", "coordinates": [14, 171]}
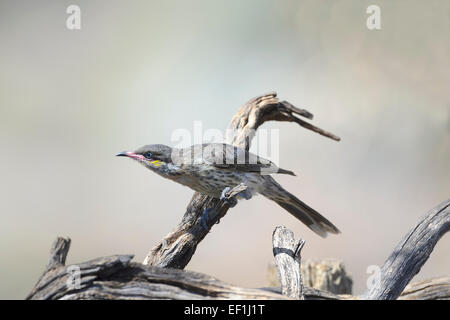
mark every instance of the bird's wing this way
{"type": "Point", "coordinates": [230, 157]}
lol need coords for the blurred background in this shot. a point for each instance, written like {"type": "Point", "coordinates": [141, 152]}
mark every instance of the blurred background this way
{"type": "Point", "coordinates": [138, 70]}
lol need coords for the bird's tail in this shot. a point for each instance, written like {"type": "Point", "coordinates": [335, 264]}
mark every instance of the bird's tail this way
{"type": "Point", "coordinates": [314, 220]}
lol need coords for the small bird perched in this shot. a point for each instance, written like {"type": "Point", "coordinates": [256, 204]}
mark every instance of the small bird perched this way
{"type": "Point", "coordinates": [215, 168]}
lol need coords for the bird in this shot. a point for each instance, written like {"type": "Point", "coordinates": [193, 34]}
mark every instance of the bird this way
{"type": "Point", "coordinates": [214, 168]}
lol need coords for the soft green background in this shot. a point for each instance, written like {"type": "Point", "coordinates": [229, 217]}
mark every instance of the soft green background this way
{"type": "Point", "coordinates": [138, 70]}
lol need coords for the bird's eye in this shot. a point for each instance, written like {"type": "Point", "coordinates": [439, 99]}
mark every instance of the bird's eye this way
{"type": "Point", "coordinates": [148, 155]}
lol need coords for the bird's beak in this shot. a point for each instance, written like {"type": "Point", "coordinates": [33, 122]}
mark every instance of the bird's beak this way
{"type": "Point", "coordinates": [122, 154]}
{"type": "Point", "coordinates": [130, 155]}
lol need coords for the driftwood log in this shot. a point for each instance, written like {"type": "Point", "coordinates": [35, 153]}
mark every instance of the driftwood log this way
{"type": "Point", "coordinates": [117, 277]}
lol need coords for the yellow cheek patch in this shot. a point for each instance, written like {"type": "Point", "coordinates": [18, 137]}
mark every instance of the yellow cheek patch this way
{"type": "Point", "coordinates": [157, 163]}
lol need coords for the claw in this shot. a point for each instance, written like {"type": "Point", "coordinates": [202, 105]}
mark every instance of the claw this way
{"type": "Point", "coordinates": [223, 196]}
{"type": "Point", "coordinates": [230, 201]}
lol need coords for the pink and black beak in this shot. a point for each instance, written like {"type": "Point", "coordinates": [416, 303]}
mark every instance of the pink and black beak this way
{"type": "Point", "coordinates": [130, 154]}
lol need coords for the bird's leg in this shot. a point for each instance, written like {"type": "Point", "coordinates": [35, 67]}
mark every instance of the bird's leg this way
{"type": "Point", "coordinates": [228, 196]}
{"type": "Point", "coordinates": [205, 217]}
{"type": "Point", "coordinates": [231, 201]}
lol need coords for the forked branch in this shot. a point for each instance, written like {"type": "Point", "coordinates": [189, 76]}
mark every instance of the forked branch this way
{"type": "Point", "coordinates": [178, 247]}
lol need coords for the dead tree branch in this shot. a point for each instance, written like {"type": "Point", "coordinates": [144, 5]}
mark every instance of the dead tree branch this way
{"type": "Point", "coordinates": [116, 277]}
{"type": "Point", "coordinates": [178, 247]}
{"type": "Point", "coordinates": [431, 289]}
{"type": "Point", "coordinates": [58, 253]}
{"type": "Point", "coordinates": [287, 256]}
{"type": "Point", "coordinates": [411, 253]}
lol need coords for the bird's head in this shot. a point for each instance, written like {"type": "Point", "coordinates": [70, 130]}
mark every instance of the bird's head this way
{"type": "Point", "coordinates": [156, 157]}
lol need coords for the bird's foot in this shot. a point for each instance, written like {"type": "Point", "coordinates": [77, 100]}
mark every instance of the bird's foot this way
{"type": "Point", "coordinates": [231, 201]}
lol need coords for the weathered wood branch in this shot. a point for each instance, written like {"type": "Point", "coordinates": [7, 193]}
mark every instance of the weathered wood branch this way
{"type": "Point", "coordinates": [177, 248]}
{"type": "Point", "coordinates": [286, 251]}
{"type": "Point", "coordinates": [411, 253]}
{"type": "Point", "coordinates": [58, 253]}
{"type": "Point", "coordinates": [431, 289]}
{"type": "Point", "coordinates": [116, 277]}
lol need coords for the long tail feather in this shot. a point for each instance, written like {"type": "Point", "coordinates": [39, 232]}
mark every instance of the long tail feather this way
{"type": "Point", "coordinates": [310, 217]}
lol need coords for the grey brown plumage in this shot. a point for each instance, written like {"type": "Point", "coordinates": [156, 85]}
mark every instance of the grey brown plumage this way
{"type": "Point", "coordinates": [210, 168]}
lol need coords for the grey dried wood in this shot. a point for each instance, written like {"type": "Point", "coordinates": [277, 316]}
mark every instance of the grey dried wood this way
{"type": "Point", "coordinates": [328, 275]}
{"type": "Point", "coordinates": [286, 251]}
{"type": "Point", "coordinates": [411, 253]}
{"type": "Point", "coordinates": [116, 277]}
{"type": "Point", "coordinates": [431, 289]}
